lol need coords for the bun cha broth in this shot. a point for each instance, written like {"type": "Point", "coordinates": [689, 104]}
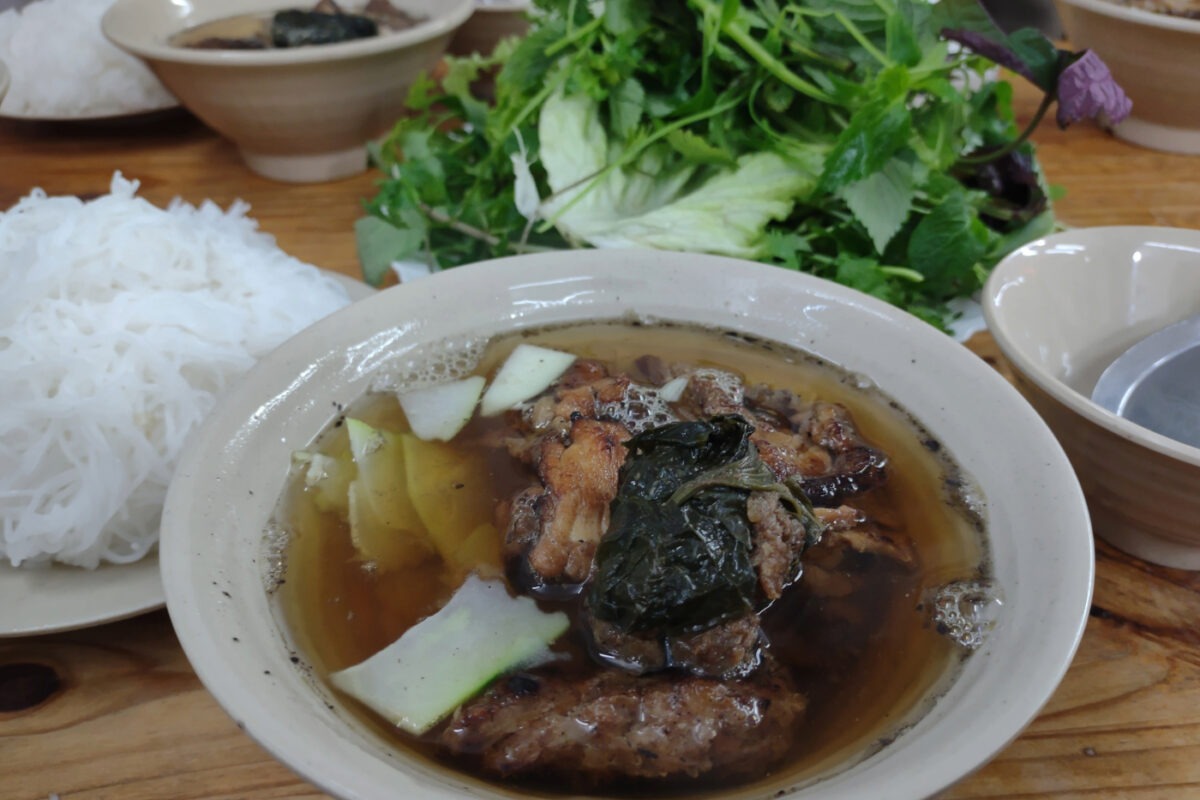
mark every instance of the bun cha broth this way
{"type": "Point", "coordinates": [631, 557]}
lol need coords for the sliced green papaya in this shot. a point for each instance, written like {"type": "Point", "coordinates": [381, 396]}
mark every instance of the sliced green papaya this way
{"type": "Point", "coordinates": [449, 490]}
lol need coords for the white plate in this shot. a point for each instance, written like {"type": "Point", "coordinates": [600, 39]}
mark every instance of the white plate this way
{"type": "Point", "coordinates": [63, 598]}
{"type": "Point", "coordinates": [132, 117]}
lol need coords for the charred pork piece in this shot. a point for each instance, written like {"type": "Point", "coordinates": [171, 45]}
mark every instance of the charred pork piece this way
{"type": "Point", "coordinates": [863, 541]}
{"type": "Point", "coordinates": [553, 529]}
{"type": "Point", "coordinates": [614, 726]}
{"type": "Point", "coordinates": [851, 548]}
{"type": "Point", "coordinates": [731, 649]}
{"type": "Point", "coordinates": [820, 445]}
{"type": "Point", "coordinates": [713, 392]}
{"type": "Point", "coordinates": [780, 539]}
{"type": "Point", "coordinates": [857, 468]}
{"type": "Point", "coordinates": [654, 370]}
{"type": "Point", "coordinates": [582, 391]}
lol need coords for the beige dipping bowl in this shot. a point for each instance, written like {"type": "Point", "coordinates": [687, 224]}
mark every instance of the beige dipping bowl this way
{"type": "Point", "coordinates": [1156, 60]}
{"type": "Point", "coordinates": [300, 115]}
{"type": "Point", "coordinates": [1062, 309]}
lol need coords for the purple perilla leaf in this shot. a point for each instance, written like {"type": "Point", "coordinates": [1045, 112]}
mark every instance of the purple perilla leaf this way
{"type": "Point", "coordinates": [1026, 52]}
{"type": "Point", "coordinates": [980, 44]}
{"type": "Point", "coordinates": [1086, 89]}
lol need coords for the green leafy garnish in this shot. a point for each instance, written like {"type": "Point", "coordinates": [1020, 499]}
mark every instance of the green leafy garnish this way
{"type": "Point", "coordinates": [676, 557]}
{"type": "Point", "coordinates": [838, 137]}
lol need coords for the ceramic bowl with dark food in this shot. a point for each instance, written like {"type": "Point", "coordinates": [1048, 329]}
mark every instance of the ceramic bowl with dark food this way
{"type": "Point", "coordinates": [301, 113]}
{"type": "Point", "coordinates": [1062, 310]}
{"type": "Point", "coordinates": [1154, 56]}
{"type": "Point", "coordinates": [715, 526]}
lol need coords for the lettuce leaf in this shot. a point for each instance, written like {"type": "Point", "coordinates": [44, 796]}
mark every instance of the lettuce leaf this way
{"type": "Point", "coordinates": [655, 202]}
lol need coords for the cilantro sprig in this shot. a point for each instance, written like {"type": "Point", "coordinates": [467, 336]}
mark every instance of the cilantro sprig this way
{"type": "Point", "coordinates": [846, 138]}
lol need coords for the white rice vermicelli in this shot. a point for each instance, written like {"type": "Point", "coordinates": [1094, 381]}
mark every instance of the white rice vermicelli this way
{"type": "Point", "coordinates": [62, 66]}
{"type": "Point", "coordinates": [120, 324]}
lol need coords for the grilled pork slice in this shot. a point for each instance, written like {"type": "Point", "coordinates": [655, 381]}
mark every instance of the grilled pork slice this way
{"type": "Point", "coordinates": [731, 649]}
{"type": "Point", "coordinates": [613, 726]}
{"type": "Point", "coordinates": [816, 442]}
{"type": "Point", "coordinates": [573, 442]}
{"type": "Point", "coordinates": [553, 529]}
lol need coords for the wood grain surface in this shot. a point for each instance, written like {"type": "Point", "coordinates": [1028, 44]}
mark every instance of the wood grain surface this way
{"type": "Point", "coordinates": [130, 720]}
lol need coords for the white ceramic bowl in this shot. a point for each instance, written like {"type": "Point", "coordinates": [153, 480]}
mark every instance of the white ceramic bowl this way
{"type": "Point", "coordinates": [4, 80]}
{"type": "Point", "coordinates": [1156, 59]}
{"type": "Point", "coordinates": [300, 114]}
{"type": "Point", "coordinates": [1061, 310]}
{"type": "Point", "coordinates": [232, 474]}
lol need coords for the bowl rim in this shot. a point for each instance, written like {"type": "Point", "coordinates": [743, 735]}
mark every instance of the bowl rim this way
{"type": "Point", "coordinates": [196, 609]}
{"type": "Point", "coordinates": [1154, 19]}
{"type": "Point", "coordinates": [1043, 379]}
{"type": "Point", "coordinates": [447, 16]}
{"type": "Point", "coordinates": [504, 7]}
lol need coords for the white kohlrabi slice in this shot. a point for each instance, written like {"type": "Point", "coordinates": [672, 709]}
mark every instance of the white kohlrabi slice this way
{"type": "Point", "coordinates": [672, 390]}
{"type": "Point", "coordinates": [419, 679]}
{"type": "Point", "coordinates": [440, 412]}
{"type": "Point", "coordinates": [528, 371]}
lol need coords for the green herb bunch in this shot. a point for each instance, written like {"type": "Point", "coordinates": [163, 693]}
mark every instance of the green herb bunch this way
{"type": "Point", "coordinates": [845, 138]}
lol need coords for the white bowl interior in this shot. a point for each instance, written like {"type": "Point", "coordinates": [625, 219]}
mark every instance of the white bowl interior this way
{"type": "Point", "coordinates": [227, 483]}
{"type": "Point", "coordinates": [1066, 306]}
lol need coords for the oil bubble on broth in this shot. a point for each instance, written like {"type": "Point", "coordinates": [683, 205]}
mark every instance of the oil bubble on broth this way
{"type": "Point", "coordinates": [856, 645]}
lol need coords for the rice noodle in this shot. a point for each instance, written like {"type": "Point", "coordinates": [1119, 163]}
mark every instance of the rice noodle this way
{"type": "Point", "coordinates": [120, 324]}
{"type": "Point", "coordinates": [62, 66]}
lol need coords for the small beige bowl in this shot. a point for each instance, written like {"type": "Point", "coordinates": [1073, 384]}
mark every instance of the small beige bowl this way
{"type": "Point", "coordinates": [1156, 59]}
{"type": "Point", "coordinates": [4, 80]}
{"type": "Point", "coordinates": [300, 115]}
{"type": "Point", "coordinates": [1062, 309]}
{"type": "Point", "coordinates": [215, 554]}
{"type": "Point", "coordinates": [490, 23]}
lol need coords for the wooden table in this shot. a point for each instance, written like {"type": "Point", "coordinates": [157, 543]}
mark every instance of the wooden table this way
{"type": "Point", "coordinates": [132, 721]}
